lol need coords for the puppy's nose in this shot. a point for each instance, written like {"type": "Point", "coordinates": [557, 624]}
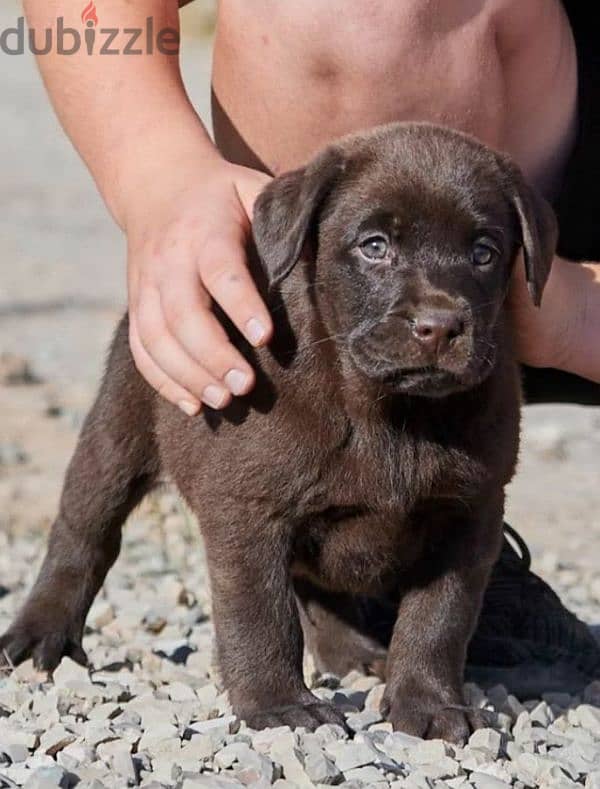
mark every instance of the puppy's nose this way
{"type": "Point", "coordinates": [435, 329]}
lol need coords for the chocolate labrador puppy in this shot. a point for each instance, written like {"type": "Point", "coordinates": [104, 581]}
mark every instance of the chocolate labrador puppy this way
{"type": "Point", "coordinates": [370, 461]}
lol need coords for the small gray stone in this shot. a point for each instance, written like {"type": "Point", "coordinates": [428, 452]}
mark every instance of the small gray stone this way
{"type": "Point", "coordinates": [228, 724]}
{"type": "Point", "coordinates": [11, 737]}
{"type": "Point", "coordinates": [173, 649]}
{"type": "Point", "coordinates": [501, 769]}
{"type": "Point", "coordinates": [374, 697]}
{"type": "Point", "coordinates": [95, 732]}
{"type": "Point", "coordinates": [15, 752]}
{"type": "Point", "coordinates": [68, 671]}
{"type": "Point", "coordinates": [166, 771]}
{"type": "Point", "coordinates": [592, 780]}
{"type": "Point", "coordinates": [76, 754]}
{"type": "Point", "coordinates": [157, 735]}
{"type": "Point", "coordinates": [286, 753]}
{"type": "Point", "coordinates": [210, 782]}
{"type": "Point", "coordinates": [485, 781]}
{"type": "Point", "coordinates": [578, 758]}
{"type": "Point", "coordinates": [117, 756]}
{"type": "Point", "coordinates": [349, 700]}
{"type": "Point", "coordinates": [330, 732]}
{"type": "Point", "coordinates": [105, 711]}
{"type": "Point", "coordinates": [200, 746]}
{"type": "Point", "coordinates": [230, 754]}
{"type": "Point", "coordinates": [589, 718]}
{"type": "Point", "coordinates": [430, 752]}
{"type": "Point", "coordinates": [365, 683]}
{"type": "Point", "coordinates": [537, 766]}
{"type": "Point", "coordinates": [442, 768]}
{"type": "Point", "coordinates": [365, 776]}
{"type": "Point", "coordinates": [487, 740]}
{"type": "Point", "coordinates": [153, 711]}
{"type": "Point", "coordinates": [456, 783]}
{"type": "Point", "coordinates": [179, 691]}
{"type": "Point", "coordinates": [418, 780]}
{"type": "Point", "coordinates": [513, 751]}
{"type": "Point", "coordinates": [55, 739]}
{"type": "Point", "coordinates": [47, 778]}
{"type": "Point", "coordinates": [398, 745]}
{"type": "Point", "coordinates": [207, 695]}
{"type": "Point", "coordinates": [541, 714]}
{"type": "Point", "coordinates": [522, 728]}
{"type": "Point", "coordinates": [385, 727]}
{"type": "Point", "coordinates": [359, 721]}
{"type": "Point", "coordinates": [264, 739]}
{"type": "Point", "coordinates": [101, 614]}
{"type": "Point", "coordinates": [16, 774]}
{"type": "Point", "coordinates": [348, 755]}
{"type": "Point", "coordinates": [320, 769]}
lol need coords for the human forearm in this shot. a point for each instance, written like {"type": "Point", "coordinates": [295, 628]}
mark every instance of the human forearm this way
{"type": "Point", "coordinates": [127, 115]}
{"type": "Point", "coordinates": [184, 209]}
{"type": "Point", "coordinates": [564, 332]}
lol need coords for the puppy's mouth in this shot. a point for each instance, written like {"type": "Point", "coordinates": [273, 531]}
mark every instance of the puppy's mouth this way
{"type": "Point", "coordinates": [434, 377]}
{"type": "Point", "coordinates": [427, 381]}
{"type": "Point", "coordinates": [406, 373]}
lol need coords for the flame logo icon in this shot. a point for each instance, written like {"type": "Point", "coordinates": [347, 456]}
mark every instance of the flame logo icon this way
{"type": "Point", "coordinates": [89, 15]}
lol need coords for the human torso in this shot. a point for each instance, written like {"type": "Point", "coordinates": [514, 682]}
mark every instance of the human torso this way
{"type": "Point", "coordinates": [290, 77]}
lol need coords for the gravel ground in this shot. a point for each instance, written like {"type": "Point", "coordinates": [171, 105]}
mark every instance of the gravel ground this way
{"type": "Point", "coordinates": [150, 712]}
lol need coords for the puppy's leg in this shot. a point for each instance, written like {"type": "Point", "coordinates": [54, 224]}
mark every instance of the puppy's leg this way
{"type": "Point", "coordinates": [345, 632]}
{"type": "Point", "coordinates": [259, 638]}
{"type": "Point", "coordinates": [113, 466]}
{"type": "Point", "coordinates": [436, 618]}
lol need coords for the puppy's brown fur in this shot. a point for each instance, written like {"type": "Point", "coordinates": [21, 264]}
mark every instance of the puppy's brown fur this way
{"type": "Point", "coordinates": [368, 464]}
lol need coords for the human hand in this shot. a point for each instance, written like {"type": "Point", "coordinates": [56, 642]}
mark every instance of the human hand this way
{"type": "Point", "coordinates": [186, 248]}
{"type": "Point", "coordinates": [546, 336]}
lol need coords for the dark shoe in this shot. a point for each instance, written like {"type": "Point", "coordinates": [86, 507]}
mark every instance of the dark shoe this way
{"type": "Point", "coordinates": [526, 639]}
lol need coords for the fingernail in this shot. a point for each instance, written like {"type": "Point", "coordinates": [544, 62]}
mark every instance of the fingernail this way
{"type": "Point", "coordinates": [237, 381]}
{"type": "Point", "coordinates": [214, 396]}
{"type": "Point", "coordinates": [255, 331]}
{"type": "Point", "coordinates": [189, 408]}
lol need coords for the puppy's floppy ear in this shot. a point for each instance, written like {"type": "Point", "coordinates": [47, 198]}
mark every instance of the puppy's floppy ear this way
{"type": "Point", "coordinates": [284, 210]}
{"type": "Point", "coordinates": [539, 229]}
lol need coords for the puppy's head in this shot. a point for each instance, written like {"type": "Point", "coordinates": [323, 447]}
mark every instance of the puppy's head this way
{"type": "Point", "coordinates": [415, 230]}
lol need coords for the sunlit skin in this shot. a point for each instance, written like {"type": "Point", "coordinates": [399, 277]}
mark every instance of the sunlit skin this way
{"type": "Point", "coordinates": [288, 78]}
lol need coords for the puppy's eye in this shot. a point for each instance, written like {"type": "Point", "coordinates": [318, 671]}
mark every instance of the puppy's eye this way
{"type": "Point", "coordinates": [374, 248]}
{"type": "Point", "coordinates": [483, 254]}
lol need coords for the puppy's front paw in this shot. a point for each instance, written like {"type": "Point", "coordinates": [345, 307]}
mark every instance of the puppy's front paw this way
{"type": "Point", "coordinates": [46, 644]}
{"type": "Point", "coordinates": [425, 717]}
{"type": "Point", "coordinates": [311, 715]}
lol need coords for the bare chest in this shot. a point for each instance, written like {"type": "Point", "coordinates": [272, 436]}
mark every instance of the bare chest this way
{"type": "Point", "coordinates": [502, 70]}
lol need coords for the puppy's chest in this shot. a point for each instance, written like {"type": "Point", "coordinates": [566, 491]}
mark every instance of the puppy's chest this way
{"type": "Point", "coordinates": [366, 518]}
{"type": "Point", "coordinates": [390, 470]}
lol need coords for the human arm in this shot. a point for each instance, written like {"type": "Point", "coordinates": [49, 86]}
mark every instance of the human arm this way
{"type": "Point", "coordinates": [564, 332]}
{"type": "Point", "coordinates": [183, 208]}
